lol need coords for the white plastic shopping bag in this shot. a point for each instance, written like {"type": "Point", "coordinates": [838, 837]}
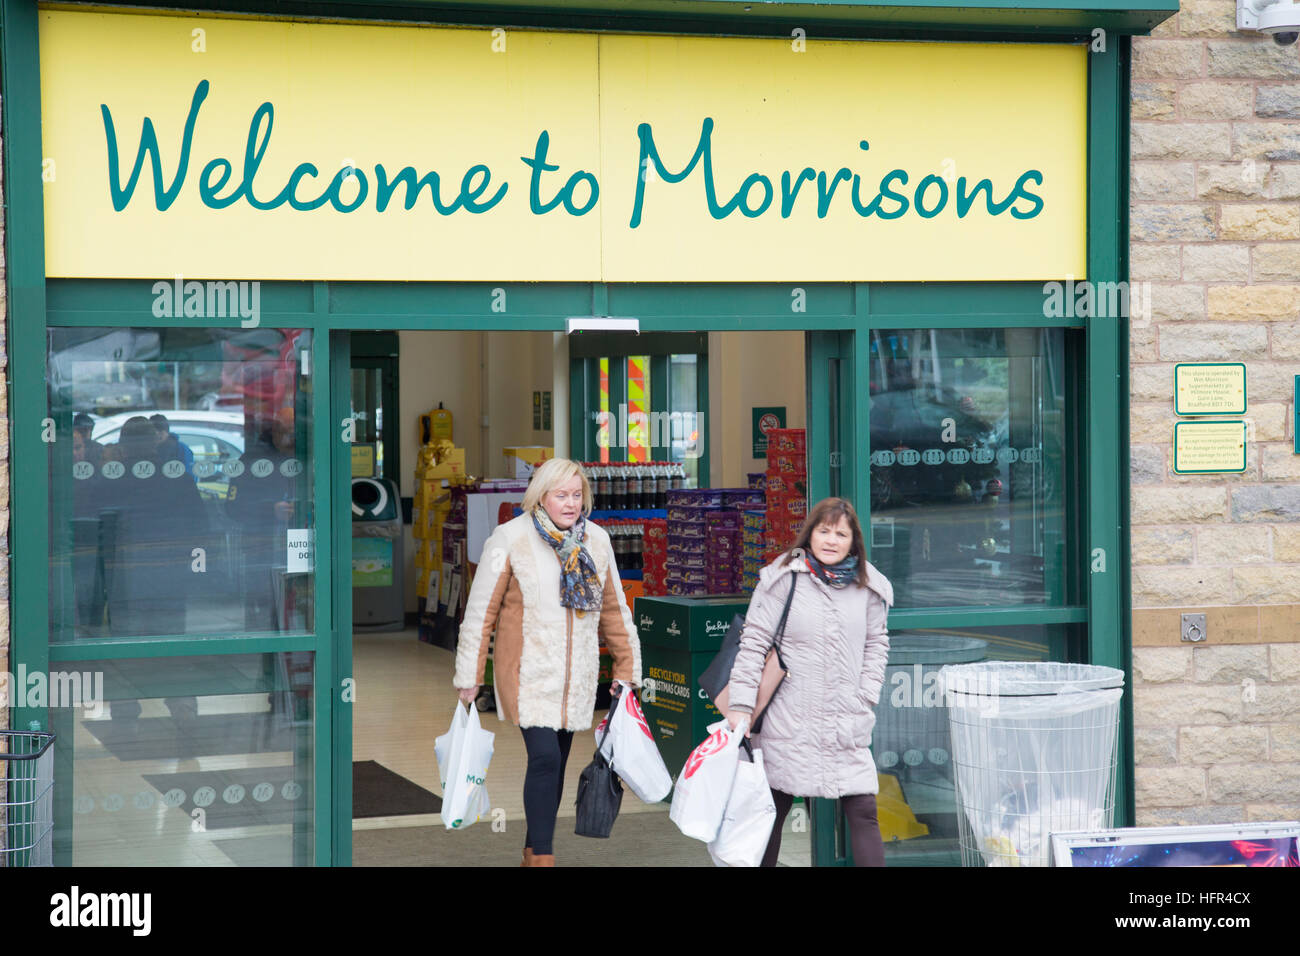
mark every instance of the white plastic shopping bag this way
{"type": "Point", "coordinates": [747, 822]}
{"type": "Point", "coordinates": [629, 746]}
{"type": "Point", "coordinates": [463, 754]}
{"type": "Point", "coordinates": [704, 785]}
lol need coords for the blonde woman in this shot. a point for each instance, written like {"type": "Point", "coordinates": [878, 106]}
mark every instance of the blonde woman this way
{"type": "Point", "coordinates": [547, 584]}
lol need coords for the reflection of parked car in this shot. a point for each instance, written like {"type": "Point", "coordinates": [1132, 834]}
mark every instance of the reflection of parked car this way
{"type": "Point", "coordinates": [90, 369]}
{"type": "Point", "coordinates": [915, 419]}
{"type": "Point", "coordinates": [213, 437]}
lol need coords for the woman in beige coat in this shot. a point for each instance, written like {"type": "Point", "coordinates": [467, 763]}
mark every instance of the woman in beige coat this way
{"type": "Point", "coordinates": [548, 586]}
{"type": "Point", "coordinates": [816, 732]}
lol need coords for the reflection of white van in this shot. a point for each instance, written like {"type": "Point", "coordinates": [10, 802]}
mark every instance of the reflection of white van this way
{"type": "Point", "coordinates": [214, 437]}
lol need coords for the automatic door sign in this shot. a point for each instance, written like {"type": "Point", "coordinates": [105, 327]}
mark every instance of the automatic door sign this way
{"type": "Point", "coordinates": [299, 557]}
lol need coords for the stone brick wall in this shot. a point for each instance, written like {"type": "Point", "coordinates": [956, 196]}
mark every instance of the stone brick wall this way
{"type": "Point", "coordinates": [1215, 230]}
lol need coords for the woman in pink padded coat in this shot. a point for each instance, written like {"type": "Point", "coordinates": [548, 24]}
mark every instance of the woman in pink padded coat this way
{"type": "Point", "coordinates": [816, 732]}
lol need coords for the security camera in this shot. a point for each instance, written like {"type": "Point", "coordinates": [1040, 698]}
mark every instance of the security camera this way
{"type": "Point", "coordinates": [1278, 18]}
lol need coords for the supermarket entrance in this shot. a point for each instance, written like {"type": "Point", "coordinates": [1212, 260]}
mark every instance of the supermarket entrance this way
{"type": "Point", "coordinates": [450, 423]}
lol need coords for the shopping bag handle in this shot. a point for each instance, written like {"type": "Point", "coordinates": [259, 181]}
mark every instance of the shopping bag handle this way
{"type": "Point", "coordinates": [609, 723]}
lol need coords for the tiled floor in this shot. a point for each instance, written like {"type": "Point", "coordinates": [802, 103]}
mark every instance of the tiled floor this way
{"type": "Point", "coordinates": [405, 700]}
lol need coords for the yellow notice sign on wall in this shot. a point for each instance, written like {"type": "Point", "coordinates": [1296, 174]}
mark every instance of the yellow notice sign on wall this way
{"type": "Point", "coordinates": [243, 149]}
{"type": "Point", "coordinates": [1210, 388]}
{"type": "Point", "coordinates": [1201, 447]}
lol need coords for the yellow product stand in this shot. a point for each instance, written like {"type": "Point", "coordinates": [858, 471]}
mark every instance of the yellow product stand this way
{"type": "Point", "coordinates": [435, 425]}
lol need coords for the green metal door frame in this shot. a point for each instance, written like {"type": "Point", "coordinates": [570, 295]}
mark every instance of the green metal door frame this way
{"type": "Point", "coordinates": [339, 824]}
{"type": "Point", "coordinates": [379, 351]}
{"type": "Point", "coordinates": [331, 309]}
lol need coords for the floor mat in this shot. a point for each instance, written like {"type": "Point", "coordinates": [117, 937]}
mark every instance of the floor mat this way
{"type": "Point", "coordinates": [379, 792]}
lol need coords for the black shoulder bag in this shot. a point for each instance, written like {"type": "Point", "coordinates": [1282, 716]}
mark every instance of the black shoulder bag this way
{"type": "Point", "coordinates": [600, 792]}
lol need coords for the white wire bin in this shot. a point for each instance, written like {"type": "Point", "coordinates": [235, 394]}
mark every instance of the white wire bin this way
{"type": "Point", "coordinates": [26, 798]}
{"type": "Point", "coordinates": [1034, 748]}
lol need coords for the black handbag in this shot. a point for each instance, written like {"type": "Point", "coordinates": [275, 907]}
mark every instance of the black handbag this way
{"type": "Point", "coordinates": [717, 676]}
{"type": "Point", "coordinates": [600, 794]}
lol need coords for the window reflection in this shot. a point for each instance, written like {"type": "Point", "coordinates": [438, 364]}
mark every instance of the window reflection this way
{"type": "Point", "coordinates": [967, 439]}
{"type": "Point", "coordinates": [184, 470]}
{"type": "Point", "coordinates": [189, 761]}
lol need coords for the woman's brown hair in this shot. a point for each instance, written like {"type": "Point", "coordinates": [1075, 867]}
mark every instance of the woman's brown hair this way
{"type": "Point", "coordinates": [830, 511]}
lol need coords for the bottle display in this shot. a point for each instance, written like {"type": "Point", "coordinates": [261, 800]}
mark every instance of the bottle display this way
{"type": "Point", "coordinates": [663, 480]}
{"type": "Point", "coordinates": [617, 487]}
{"type": "Point", "coordinates": [633, 485]}
{"type": "Point", "coordinates": [602, 486]}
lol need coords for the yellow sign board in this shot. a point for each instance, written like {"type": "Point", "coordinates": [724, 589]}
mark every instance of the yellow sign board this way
{"type": "Point", "coordinates": [1201, 447]}
{"type": "Point", "coordinates": [216, 148]}
{"type": "Point", "coordinates": [1210, 388]}
{"type": "Point", "coordinates": [363, 461]}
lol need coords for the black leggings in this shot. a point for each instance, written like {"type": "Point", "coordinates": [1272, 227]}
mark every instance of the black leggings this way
{"type": "Point", "coordinates": [864, 830]}
{"type": "Point", "coordinates": [548, 752]}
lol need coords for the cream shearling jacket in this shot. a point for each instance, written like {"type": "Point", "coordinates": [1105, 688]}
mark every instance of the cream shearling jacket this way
{"type": "Point", "coordinates": [817, 729]}
{"type": "Point", "coordinates": [546, 657]}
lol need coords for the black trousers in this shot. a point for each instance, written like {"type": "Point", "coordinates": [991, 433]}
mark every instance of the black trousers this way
{"type": "Point", "coordinates": [864, 829]}
{"type": "Point", "coordinates": [548, 752]}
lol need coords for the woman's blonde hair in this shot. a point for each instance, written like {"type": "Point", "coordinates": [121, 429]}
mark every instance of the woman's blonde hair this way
{"type": "Point", "coordinates": [549, 476]}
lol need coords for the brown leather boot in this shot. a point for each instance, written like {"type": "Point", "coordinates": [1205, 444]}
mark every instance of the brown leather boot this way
{"type": "Point", "coordinates": [543, 859]}
{"type": "Point", "coordinates": [528, 856]}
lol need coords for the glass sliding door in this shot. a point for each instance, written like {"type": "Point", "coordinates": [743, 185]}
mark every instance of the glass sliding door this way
{"type": "Point", "coordinates": [964, 475]}
{"type": "Point", "coordinates": [182, 479]}
{"type": "Point", "coordinates": [185, 477]}
{"type": "Point", "coordinates": [974, 513]}
{"type": "Point", "coordinates": [968, 436]}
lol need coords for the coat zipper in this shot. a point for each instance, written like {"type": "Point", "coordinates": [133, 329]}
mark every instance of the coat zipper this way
{"type": "Point", "coordinates": [568, 654]}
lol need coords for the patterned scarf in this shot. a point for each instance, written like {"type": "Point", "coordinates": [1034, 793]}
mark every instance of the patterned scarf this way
{"type": "Point", "coordinates": [836, 575]}
{"type": "Point", "coordinates": [580, 586]}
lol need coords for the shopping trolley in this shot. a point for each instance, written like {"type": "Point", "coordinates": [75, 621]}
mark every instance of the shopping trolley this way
{"type": "Point", "coordinates": [26, 798]}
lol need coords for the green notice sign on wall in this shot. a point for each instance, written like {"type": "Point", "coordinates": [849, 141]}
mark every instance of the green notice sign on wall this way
{"type": "Point", "coordinates": [765, 418]}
